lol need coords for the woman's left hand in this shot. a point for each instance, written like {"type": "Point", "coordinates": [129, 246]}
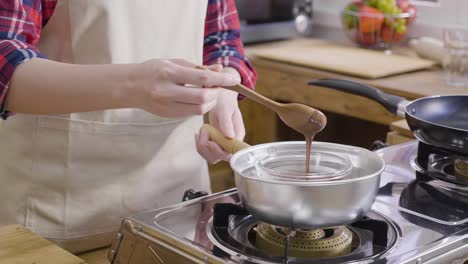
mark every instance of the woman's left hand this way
{"type": "Point", "coordinates": [225, 116]}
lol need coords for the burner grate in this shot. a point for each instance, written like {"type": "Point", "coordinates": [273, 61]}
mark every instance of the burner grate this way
{"type": "Point", "coordinates": [306, 244]}
{"type": "Point", "coordinates": [438, 163]}
{"type": "Point", "coordinates": [232, 230]}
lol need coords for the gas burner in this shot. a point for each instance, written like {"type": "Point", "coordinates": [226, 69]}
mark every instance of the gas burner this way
{"type": "Point", "coordinates": [441, 164]}
{"type": "Point", "coordinates": [331, 242]}
{"type": "Point", "coordinates": [442, 168]}
{"type": "Point", "coordinates": [424, 151]}
{"type": "Point", "coordinates": [233, 230]}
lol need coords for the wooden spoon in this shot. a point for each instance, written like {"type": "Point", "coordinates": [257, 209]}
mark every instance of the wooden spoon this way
{"type": "Point", "coordinates": [304, 119]}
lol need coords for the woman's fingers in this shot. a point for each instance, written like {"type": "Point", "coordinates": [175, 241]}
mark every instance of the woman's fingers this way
{"type": "Point", "coordinates": [183, 62]}
{"type": "Point", "coordinates": [216, 67]}
{"type": "Point", "coordinates": [200, 77]}
{"type": "Point", "coordinates": [224, 123]}
{"type": "Point", "coordinates": [172, 100]}
{"type": "Point", "coordinates": [186, 109]}
{"type": "Point", "coordinates": [175, 88]}
{"type": "Point", "coordinates": [185, 72]}
{"type": "Point", "coordinates": [209, 150]}
{"type": "Point", "coordinates": [192, 95]}
{"type": "Point", "coordinates": [186, 63]}
{"type": "Point", "coordinates": [238, 124]}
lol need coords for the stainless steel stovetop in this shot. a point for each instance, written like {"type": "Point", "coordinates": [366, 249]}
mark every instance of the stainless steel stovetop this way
{"type": "Point", "coordinates": [427, 220]}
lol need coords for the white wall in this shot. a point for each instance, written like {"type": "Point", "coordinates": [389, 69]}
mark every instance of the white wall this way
{"type": "Point", "coordinates": [430, 21]}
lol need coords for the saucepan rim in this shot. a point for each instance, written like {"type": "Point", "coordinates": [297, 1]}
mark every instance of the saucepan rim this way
{"type": "Point", "coordinates": [242, 153]}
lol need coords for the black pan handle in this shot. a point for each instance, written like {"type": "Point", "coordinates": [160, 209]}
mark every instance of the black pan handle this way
{"type": "Point", "coordinates": [390, 102]}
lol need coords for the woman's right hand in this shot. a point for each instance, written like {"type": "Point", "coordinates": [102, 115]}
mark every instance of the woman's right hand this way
{"type": "Point", "coordinates": [175, 88]}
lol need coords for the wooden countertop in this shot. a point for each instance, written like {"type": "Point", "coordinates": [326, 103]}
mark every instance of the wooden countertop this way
{"type": "Point", "coordinates": [98, 256]}
{"type": "Point", "coordinates": [21, 246]}
{"type": "Point", "coordinates": [410, 85]}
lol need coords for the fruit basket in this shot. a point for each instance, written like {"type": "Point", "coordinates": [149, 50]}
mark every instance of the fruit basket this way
{"type": "Point", "coordinates": [378, 24]}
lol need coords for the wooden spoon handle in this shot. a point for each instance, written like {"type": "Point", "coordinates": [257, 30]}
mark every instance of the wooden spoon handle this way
{"type": "Point", "coordinates": [228, 144]}
{"type": "Point", "coordinates": [251, 94]}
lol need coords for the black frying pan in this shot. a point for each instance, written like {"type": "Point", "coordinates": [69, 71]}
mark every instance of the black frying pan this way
{"type": "Point", "coordinates": [440, 121]}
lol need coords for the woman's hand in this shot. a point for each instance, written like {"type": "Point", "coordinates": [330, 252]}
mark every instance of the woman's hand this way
{"type": "Point", "coordinates": [174, 88]}
{"type": "Point", "coordinates": [225, 116]}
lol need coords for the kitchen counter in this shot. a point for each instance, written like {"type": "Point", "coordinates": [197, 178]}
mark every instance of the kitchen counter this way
{"type": "Point", "coordinates": [410, 85]}
{"type": "Point", "coordinates": [98, 256]}
{"type": "Point", "coordinates": [21, 246]}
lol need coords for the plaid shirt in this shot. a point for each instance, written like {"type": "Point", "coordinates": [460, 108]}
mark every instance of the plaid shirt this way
{"type": "Point", "coordinates": [21, 22]}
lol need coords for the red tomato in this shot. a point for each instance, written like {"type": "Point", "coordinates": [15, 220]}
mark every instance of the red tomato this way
{"type": "Point", "coordinates": [366, 39]}
{"type": "Point", "coordinates": [370, 19]}
{"type": "Point", "coordinates": [402, 3]}
{"type": "Point", "coordinates": [389, 35]}
{"type": "Point", "coordinates": [358, 3]}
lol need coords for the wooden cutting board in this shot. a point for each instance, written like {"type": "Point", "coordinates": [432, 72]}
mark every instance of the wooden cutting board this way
{"type": "Point", "coordinates": [343, 59]}
{"type": "Point", "coordinates": [18, 245]}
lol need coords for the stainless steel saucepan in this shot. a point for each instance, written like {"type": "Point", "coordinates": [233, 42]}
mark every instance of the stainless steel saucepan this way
{"type": "Point", "coordinates": [274, 187]}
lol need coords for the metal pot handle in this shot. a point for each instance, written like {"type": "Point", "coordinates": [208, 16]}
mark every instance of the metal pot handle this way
{"type": "Point", "coordinates": [392, 103]}
{"type": "Point", "coordinates": [228, 144]}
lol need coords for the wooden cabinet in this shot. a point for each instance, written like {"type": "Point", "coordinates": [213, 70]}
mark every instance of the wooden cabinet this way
{"type": "Point", "coordinates": [399, 133]}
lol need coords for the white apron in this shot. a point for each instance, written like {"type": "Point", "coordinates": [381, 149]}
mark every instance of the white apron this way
{"type": "Point", "coordinates": [73, 178]}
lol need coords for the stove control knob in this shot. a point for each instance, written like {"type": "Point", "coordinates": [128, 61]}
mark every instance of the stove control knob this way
{"type": "Point", "coordinates": [378, 144]}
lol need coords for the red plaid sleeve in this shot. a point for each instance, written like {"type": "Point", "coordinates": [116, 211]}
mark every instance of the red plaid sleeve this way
{"type": "Point", "coordinates": [222, 40]}
{"type": "Point", "coordinates": [21, 22]}
{"type": "Point", "coordinates": [48, 7]}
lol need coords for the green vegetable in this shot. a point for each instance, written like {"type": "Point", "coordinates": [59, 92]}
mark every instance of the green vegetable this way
{"type": "Point", "coordinates": [350, 19]}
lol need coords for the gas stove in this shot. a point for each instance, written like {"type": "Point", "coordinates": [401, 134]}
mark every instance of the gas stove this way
{"type": "Point", "coordinates": [416, 218]}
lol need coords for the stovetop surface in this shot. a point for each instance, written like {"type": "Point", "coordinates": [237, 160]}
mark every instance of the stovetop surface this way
{"type": "Point", "coordinates": [431, 217]}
